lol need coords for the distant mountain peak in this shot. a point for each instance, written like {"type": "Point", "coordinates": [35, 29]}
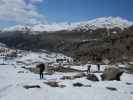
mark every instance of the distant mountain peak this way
{"type": "Point", "coordinates": [107, 22]}
{"type": "Point", "coordinates": [17, 28]}
{"type": "Point", "coordinates": [103, 22]}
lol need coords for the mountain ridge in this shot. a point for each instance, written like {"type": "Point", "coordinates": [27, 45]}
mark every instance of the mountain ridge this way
{"type": "Point", "coordinates": [83, 43]}
{"type": "Point", "coordinates": [103, 22]}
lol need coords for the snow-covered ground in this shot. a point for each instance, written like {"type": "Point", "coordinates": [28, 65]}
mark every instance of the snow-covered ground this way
{"type": "Point", "coordinates": [13, 78]}
{"type": "Point", "coordinates": [30, 59]}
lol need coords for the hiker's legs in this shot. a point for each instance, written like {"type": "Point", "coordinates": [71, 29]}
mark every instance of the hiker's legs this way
{"type": "Point", "coordinates": [99, 68]}
{"type": "Point", "coordinates": [88, 70]}
{"type": "Point", "coordinates": [41, 75]}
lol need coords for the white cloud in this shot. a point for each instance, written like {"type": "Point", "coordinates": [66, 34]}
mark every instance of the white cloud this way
{"type": "Point", "coordinates": [20, 12]}
{"type": "Point", "coordinates": [36, 1]}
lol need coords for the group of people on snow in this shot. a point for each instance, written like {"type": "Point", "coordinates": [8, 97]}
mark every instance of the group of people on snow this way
{"type": "Point", "coordinates": [42, 67]}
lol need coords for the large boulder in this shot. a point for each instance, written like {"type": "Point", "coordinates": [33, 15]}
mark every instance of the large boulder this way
{"type": "Point", "coordinates": [92, 77]}
{"type": "Point", "coordinates": [111, 73]}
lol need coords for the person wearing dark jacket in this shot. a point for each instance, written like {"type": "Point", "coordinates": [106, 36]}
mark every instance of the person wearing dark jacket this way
{"type": "Point", "coordinates": [41, 69]}
{"type": "Point", "coordinates": [98, 67]}
{"type": "Point", "coordinates": [88, 68]}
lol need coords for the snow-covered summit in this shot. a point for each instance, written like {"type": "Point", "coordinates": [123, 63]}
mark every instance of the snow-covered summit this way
{"type": "Point", "coordinates": [104, 22]}
{"type": "Point", "coordinates": [17, 28]}
{"type": "Point", "coordinates": [52, 27]}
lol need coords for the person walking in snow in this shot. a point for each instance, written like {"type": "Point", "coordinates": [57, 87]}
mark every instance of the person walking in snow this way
{"type": "Point", "coordinates": [41, 69]}
{"type": "Point", "coordinates": [88, 68]}
{"type": "Point", "coordinates": [98, 67]}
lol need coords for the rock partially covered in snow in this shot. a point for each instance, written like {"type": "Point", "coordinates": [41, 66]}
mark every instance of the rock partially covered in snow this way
{"type": "Point", "coordinates": [111, 73]}
{"type": "Point", "coordinates": [92, 77]}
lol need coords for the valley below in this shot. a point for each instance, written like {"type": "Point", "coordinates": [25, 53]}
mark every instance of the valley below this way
{"type": "Point", "coordinates": [93, 45]}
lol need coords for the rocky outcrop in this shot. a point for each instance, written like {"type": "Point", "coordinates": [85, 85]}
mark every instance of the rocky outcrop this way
{"type": "Point", "coordinates": [111, 74]}
{"type": "Point", "coordinates": [92, 77]}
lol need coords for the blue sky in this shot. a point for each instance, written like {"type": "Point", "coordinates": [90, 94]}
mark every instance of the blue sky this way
{"type": "Point", "coordinates": [77, 10]}
{"type": "Point", "coordinates": [42, 11]}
